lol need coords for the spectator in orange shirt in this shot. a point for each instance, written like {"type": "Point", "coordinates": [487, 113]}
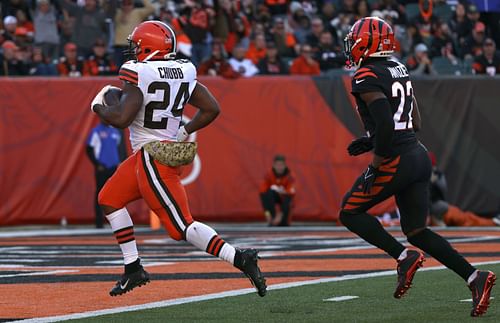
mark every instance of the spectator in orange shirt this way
{"type": "Point", "coordinates": [257, 49]}
{"type": "Point", "coordinates": [278, 188]}
{"type": "Point", "coordinates": [305, 64]}
{"type": "Point", "coordinates": [100, 63]}
{"type": "Point", "coordinates": [71, 64]}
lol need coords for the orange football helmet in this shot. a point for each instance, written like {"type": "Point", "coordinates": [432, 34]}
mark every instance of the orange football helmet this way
{"type": "Point", "coordinates": [368, 37]}
{"type": "Point", "coordinates": [152, 40]}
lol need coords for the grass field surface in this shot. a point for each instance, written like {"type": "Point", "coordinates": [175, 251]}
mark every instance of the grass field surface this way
{"type": "Point", "coordinates": [437, 296]}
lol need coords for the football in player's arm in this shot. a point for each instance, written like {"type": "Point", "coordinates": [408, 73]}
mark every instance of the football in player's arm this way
{"type": "Point", "coordinates": [155, 90]}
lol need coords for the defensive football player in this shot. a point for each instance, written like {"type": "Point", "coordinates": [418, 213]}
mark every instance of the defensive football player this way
{"type": "Point", "coordinates": [156, 87]}
{"type": "Point", "coordinates": [400, 166]}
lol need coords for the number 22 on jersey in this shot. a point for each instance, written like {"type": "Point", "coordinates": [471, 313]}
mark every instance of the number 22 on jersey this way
{"type": "Point", "coordinates": [402, 117]}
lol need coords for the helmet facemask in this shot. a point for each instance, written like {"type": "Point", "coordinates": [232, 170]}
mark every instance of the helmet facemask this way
{"type": "Point", "coordinates": [349, 45]}
{"type": "Point", "coordinates": [131, 52]}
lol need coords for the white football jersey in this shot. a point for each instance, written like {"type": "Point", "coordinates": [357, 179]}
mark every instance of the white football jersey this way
{"type": "Point", "coordinates": [166, 87]}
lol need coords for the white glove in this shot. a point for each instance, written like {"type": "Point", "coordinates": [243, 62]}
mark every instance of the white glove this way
{"type": "Point", "coordinates": [182, 134]}
{"type": "Point", "coordinates": [99, 98]}
{"type": "Point", "coordinates": [278, 189]}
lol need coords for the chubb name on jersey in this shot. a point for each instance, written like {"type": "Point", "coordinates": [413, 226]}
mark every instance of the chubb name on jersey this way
{"type": "Point", "coordinates": [170, 73]}
{"type": "Point", "coordinates": [398, 71]}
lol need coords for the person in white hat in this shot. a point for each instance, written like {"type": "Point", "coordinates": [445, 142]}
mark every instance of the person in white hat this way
{"type": "Point", "coordinates": [419, 63]}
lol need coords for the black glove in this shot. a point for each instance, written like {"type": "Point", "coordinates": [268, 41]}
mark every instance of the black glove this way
{"type": "Point", "coordinates": [369, 177]}
{"type": "Point", "coordinates": [360, 146]}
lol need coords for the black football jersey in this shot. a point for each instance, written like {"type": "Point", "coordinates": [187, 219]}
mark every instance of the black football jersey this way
{"type": "Point", "coordinates": [391, 78]}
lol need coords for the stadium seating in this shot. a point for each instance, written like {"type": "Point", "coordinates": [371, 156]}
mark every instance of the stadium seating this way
{"type": "Point", "coordinates": [444, 66]}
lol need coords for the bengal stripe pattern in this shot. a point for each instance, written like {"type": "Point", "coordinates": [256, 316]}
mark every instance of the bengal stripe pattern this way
{"type": "Point", "coordinates": [386, 173]}
{"type": "Point", "coordinates": [124, 235]}
{"type": "Point", "coordinates": [163, 194]}
{"type": "Point", "coordinates": [215, 245]}
{"type": "Point", "coordinates": [364, 72]}
{"type": "Point", "coordinates": [128, 76]}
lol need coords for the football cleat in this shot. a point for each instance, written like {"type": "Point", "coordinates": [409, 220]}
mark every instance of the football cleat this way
{"type": "Point", "coordinates": [481, 289]}
{"type": "Point", "coordinates": [406, 270]}
{"type": "Point", "coordinates": [130, 281]}
{"type": "Point", "coordinates": [247, 263]}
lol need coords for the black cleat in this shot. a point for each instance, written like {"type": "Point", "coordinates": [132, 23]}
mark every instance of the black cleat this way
{"type": "Point", "coordinates": [481, 289]}
{"type": "Point", "coordinates": [406, 270]}
{"type": "Point", "coordinates": [246, 261]}
{"type": "Point", "coordinates": [130, 281]}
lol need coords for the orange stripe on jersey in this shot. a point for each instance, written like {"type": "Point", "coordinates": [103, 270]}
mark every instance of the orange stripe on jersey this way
{"type": "Point", "coordinates": [128, 79]}
{"type": "Point", "coordinates": [133, 73]}
{"type": "Point", "coordinates": [350, 206]}
{"type": "Point", "coordinates": [353, 199]}
{"type": "Point", "coordinates": [126, 73]}
{"type": "Point", "coordinates": [358, 76]}
{"type": "Point", "coordinates": [392, 163]}
{"type": "Point", "coordinates": [362, 69]}
{"type": "Point", "coordinates": [383, 179]}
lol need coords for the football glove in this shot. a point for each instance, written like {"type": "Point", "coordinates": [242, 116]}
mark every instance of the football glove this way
{"type": "Point", "coordinates": [360, 146]}
{"type": "Point", "coordinates": [182, 134]}
{"type": "Point", "coordinates": [278, 189]}
{"type": "Point", "coordinates": [369, 177]}
{"type": "Point", "coordinates": [99, 98]}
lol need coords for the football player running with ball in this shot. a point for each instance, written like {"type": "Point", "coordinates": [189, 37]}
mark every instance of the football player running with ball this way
{"type": "Point", "coordinates": [400, 165]}
{"type": "Point", "coordinates": [156, 88]}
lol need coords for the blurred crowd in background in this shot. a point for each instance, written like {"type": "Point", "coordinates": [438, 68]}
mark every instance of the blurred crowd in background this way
{"type": "Point", "coordinates": [243, 38]}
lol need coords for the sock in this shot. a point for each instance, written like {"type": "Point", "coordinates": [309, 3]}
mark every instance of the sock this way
{"type": "Point", "coordinates": [370, 229]}
{"type": "Point", "coordinates": [403, 255]}
{"type": "Point", "coordinates": [205, 238]}
{"type": "Point", "coordinates": [123, 230]}
{"type": "Point", "coordinates": [472, 277]}
{"type": "Point", "coordinates": [442, 251]}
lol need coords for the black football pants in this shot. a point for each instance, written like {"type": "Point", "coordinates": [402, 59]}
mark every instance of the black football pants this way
{"type": "Point", "coordinates": [407, 178]}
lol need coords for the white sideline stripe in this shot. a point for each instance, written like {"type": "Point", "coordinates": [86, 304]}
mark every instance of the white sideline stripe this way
{"type": "Point", "coordinates": [470, 299]}
{"type": "Point", "coordinates": [340, 298]}
{"type": "Point", "coordinates": [223, 227]}
{"type": "Point", "coordinates": [207, 297]}
{"type": "Point", "coordinates": [39, 273]}
{"type": "Point", "coordinates": [62, 232]}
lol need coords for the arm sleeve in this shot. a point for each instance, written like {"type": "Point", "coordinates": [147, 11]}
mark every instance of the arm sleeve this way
{"type": "Point", "coordinates": [380, 110]}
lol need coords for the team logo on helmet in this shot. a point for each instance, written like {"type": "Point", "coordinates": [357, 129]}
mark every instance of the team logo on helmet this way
{"type": "Point", "coordinates": [152, 40]}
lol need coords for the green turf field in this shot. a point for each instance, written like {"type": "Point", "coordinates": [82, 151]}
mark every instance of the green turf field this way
{"type": "Point", "coordinates": [435, 297]}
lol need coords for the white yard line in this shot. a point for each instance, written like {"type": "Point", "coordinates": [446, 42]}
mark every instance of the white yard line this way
{"type": "Point", "coordinates": [39, 273]}
{"type": "Point", "coordinates": [222, 295]}
{"type": "Point", "coordinates": [340, 298]}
